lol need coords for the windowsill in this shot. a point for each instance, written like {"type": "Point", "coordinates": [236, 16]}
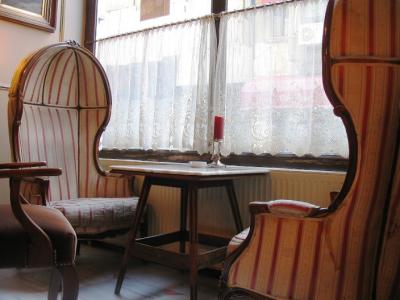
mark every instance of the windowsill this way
{"type": "Point", "coordinates": [278, 162]}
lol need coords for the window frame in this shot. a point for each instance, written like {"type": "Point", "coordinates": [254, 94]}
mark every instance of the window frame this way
{"type": "Point", "coordinates": [290, 161]}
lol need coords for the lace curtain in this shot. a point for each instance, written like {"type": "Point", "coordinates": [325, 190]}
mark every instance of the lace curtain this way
{"type": "Point", "coordinates": [268, 82]}
{"type": "Point", "coordinates": [160, 87]}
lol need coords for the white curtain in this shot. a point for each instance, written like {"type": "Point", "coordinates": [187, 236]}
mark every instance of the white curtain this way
{"type": "Point", "coordinates": [268, 82]}
{"type": "Point", "coordinates": [160, 87]}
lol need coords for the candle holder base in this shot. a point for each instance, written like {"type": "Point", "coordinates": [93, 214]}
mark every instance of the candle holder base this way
{"type": "Point", "coordinates": [216, 157]}
{"type": "Point", "coordinates": [216, 164]}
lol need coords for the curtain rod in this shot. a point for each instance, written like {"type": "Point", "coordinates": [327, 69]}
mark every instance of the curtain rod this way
{"type": "Point", "coordinates": [210, 16]}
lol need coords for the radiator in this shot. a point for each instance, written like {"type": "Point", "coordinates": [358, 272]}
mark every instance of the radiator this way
{"type": "Point", "coordinates": [214, 211]}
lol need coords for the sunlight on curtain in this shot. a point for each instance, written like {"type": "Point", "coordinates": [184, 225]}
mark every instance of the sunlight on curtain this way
{"type": "Point", "coordinates": [268, 82]}
{"type": "Point", "coordinates": [160, 87]}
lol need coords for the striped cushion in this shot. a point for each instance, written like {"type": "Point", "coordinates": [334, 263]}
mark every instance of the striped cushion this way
{"type": "Point", "coordinates": [97, 215]}
{"type": "Point", "coordinates": [292, 208]}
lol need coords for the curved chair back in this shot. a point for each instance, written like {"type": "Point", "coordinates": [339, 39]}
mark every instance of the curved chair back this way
{"type": "Point", "coordinates": [362, 80]}
{"type": "Point", "coordinates": [59, 106]}
{"type": "Point", "coordinates": [333, 253]}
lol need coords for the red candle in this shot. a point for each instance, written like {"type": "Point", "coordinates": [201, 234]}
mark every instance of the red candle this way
{"type": "Point", "coordinates": [218, 128]}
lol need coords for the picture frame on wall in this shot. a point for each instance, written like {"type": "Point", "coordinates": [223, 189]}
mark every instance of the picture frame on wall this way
{"type": "Point", "coordinates": [40, 14]}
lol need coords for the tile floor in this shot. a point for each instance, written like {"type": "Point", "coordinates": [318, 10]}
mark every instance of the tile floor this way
{"type": "Point", "coordinates": [97, 271]}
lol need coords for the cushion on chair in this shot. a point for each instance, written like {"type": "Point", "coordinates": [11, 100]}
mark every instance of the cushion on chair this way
{"type": "Point", "coordinates": [14, 239]}
{"type": "Point", "coordinates": [237, 240]}
{"type": "Point", "coordinates": [98, 215]}
{"type": "Point", "coordinates": [292, 208]}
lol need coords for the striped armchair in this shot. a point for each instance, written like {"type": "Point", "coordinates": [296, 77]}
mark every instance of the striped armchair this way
{"type": "Point", "coordinates": [294, 250]}
{"type": "Point", "coordinates": [59, 105]}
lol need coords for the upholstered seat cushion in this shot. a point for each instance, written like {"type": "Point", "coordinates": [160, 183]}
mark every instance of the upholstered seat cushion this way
{"type": "Point", "coordinates": [14, 239]}
{"type": "Point", "coordinates": [97, 215]}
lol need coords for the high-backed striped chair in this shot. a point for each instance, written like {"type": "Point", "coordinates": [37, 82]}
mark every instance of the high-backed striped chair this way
{"type": "Point", "coordinates": [295, 250]}
{"type": "Point", "coordinates": [59, 105]}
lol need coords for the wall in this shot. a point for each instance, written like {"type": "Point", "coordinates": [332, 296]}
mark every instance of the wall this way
{"type": "Point", "coordinates": [17, 41]}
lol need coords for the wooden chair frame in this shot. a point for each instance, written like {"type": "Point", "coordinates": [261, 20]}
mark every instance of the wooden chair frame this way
{"type": "Point", "coordinates": [41, 252]}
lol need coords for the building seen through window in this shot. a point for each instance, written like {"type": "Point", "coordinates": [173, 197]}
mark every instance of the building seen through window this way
{"type": "Point", "coordinates": [122, 16]}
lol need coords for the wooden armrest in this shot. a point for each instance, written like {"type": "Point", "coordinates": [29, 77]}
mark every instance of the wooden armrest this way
{"type": "Point", "coordinates": [31, 172]}
{"type": "Point", "coordinates": [258, 207]}
{"type": "Point", "coordinates": [18, 165]}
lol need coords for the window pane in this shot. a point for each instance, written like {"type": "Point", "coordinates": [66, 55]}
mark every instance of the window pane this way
{"type": "Point", "coordinates": [121, 16]}
{"type": "Point", "coordinates": [269, 82]}
{"type": "Point", "coordinates": [160, 87]}
{"type": "Point", "coordinates": [240, 4]}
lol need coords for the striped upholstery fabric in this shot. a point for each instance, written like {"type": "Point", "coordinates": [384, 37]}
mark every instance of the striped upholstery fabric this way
{"type": "Point", "coordinates": [334, 256]}
{"type": "Point", "coordinates": [61, 97]}
{"type": "Point", "coordinates": [92, 216]}
{"type": "Point", "coordinates": [388, 285]}
{"type": "Point", "coordinates": [31, 192]}
{"type": "Point", "coordinates": [277, 207]}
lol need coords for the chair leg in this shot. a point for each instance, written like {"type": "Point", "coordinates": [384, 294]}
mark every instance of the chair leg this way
{"type": "Point", "coordinates": [55, 285]}
{"type": "Point", "coordinates": [143, 229]}
{"type": "Point", "coordinates": [70, 282]}
{"type": "Point", "coordinates": [78, 248]}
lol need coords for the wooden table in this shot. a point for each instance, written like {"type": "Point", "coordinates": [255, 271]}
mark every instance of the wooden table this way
{"type": "Point", "coordinates": [189, 180]}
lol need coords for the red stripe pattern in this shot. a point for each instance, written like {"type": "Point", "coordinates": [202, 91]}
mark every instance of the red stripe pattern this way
{"type": "Point", "coordinates": [334, 257]}
{"type": "Point", "coordinates": [97, 215]}
{"type": "Point", "coordinates": [64, 106]}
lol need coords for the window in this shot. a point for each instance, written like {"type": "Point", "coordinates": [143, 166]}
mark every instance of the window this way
{"type": "Point", "coordinates": [122, 16]}
{"type": "Point", "coordinates": [268, 83]}
{"type": "Point", "coordinates": [264, 77]}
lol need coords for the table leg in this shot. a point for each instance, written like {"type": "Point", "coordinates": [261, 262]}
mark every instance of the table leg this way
{"type": "Point", "coordinates": [234, 205]}
{"type": "Point", "coordinates": [132, 233]}
{"type": "Point", "coordinates": [193, 240]}
{"type": "Point", "coordinates": [184, 197]}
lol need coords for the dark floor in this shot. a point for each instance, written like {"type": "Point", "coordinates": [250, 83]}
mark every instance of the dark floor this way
{"type": "Point", "coordinates": [97, 271]}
